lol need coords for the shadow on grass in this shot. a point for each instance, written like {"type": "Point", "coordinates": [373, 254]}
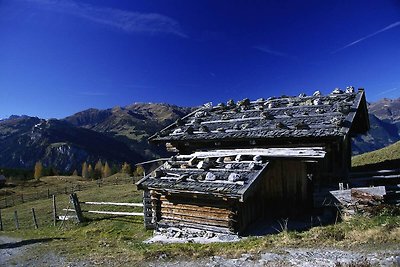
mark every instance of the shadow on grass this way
{"type": "Point", "coordinates": [27, 242]}
{"type": "Point", "coordinates": [268, 226]}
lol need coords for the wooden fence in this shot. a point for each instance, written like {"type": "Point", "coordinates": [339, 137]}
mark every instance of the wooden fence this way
{"type": "Point", "coordinates": [78, 211]}
{"type": "Point", "coordinates": [390, 179]}
{"type": "Point", "coordinates": [9, 198]}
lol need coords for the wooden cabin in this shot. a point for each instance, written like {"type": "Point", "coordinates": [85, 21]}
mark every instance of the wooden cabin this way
{"type": "Point", "coordinates": [238, 162]}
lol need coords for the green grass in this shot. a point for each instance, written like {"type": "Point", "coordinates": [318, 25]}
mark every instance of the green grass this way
{"type": "Point", "coordinates": [17, 192]}
{"type": "Point", "coordinates": [388, 153]}
{"type": "Point", "coordinates": [120, 239]}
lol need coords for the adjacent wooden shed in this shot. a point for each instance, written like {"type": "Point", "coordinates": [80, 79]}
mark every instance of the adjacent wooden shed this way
{"type": "Point", "coordinates": [241, 161]}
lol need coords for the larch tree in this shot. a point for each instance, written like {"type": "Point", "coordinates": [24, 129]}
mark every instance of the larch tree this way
{"type": "Point", "coordinates": [98, 170]}
{"type": "Point", "coordinates": [139, 171]}
{"type": "Point", "coordinates": [85, 172]}
{"type": "Point", "coordinates": [106, 170]}
{"type": "Point", "coordinates": [126, 168]}
{"type": "Point", "coordinates": [38, 170]}
{"type": "Point", "coordinates": [90, 171]}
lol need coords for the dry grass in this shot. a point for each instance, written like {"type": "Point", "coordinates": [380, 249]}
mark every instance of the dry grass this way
{"type": "Point", "coordinates": [105, 239]}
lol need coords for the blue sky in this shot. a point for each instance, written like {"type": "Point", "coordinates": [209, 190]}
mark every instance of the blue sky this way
{"type": "Point", "coordinates": [60, 57]}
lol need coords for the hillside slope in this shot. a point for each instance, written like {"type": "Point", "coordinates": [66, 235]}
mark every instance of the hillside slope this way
{"type": "Point", "coordinates": [132, 124]}
{"type": "Point", "coordinates": [390, 153]}
{"type": "Point", "coordinates": [25, 140]}
{"type": "Point", "coordinates": [384, 118]}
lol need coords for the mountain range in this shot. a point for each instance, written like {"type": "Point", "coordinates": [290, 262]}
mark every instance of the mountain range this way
{"type": "Point", "coordinates": [120, 135]}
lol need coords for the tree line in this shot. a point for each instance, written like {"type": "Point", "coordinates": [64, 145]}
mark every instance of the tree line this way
{"type": "Point", "coordinates": [100, 170]}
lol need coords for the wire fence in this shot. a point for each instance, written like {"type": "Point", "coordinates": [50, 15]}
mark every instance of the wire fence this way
{"type": "Point", "coordinates": [9, 198]}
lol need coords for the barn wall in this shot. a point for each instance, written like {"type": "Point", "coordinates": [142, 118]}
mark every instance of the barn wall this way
{"type": "Point", "coordinates": [285, 187]}
{"type": "Point", "coordinates": [284, 190]}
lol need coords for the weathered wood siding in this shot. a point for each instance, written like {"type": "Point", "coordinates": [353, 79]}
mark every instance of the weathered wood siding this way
{"type": "Point", "coordinates": [217, 215]}
{"type": "Point", "coordinates": [285, 190]}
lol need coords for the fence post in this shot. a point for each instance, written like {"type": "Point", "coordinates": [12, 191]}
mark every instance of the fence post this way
{"type": "Point", "coordinates": [1, 222]}
{"type": "Point", "coordinates": [54, 210]}
{"type": "Point", "coordinates": [34, 218]}
{"type": "Point", "coordinates": [16, 219]}
{"type": "Point", "coordinates": [22, 197]}
{"type": "Point", "coordinates": [48, 193]}
{"type": "Point", "coordinates": [77, 207]}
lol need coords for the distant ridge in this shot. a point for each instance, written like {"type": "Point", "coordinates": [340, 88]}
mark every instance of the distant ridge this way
{"type": "Point", "coordinates": [120, 134]}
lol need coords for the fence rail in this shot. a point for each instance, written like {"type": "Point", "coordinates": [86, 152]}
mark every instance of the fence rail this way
{"type": "Point", "coordinates": [8, 198]}
{"type": "Point", "coordinates": [78, 211]}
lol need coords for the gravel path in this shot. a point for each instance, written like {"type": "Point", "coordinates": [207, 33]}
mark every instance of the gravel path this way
{"type": "Point", "coordinates": [18, 252]}
{"type": "Point", "coordinates": [295, 257]}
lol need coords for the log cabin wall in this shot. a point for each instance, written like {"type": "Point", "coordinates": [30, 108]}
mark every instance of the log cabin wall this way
{"type": "Point", "coordinates": [197, 212]}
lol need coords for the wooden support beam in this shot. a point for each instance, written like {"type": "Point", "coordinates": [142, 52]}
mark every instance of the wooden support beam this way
{"type": "Point", "coordinates": [54, 211]}
{"type": "Point", "coordinates": [16, 220]}
{"type": "Point", "coordinates": [117, 213]}
{"type": "Point", "coordinates": [75, 202]}
{"type": "Point", "coordinates": [34, 219]}
{"type": "Point", "coordinates": [113, 204]}
{"type": "Point", "coordinates": [1, 222]}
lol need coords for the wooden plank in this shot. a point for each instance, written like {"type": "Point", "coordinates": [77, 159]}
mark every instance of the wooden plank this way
{"type": "Point", "coordinates": [117, 213]}
{"type": "Point", "coordinates": [211, 216]}
{"type": "Point", "coordinates": [302, 152]}
{"type": "Point", "coordinates": [195, 221]}
{"type": "Point", "coordinates": [113, 204]}
{"type": "Point", "coordinates": [373, 173]}
{"type": "Point", "coordinates": [199, 210]}
{"type": "Point", "coordinates": [221, 209]}
{"type": "Point", "coordinates": [69, 210]}
{"type": "Point", "coordinates": [75, 202]}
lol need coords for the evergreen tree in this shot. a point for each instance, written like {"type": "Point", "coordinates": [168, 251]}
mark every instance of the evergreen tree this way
{"type": "Point", "coordinates": [38, 170]}
{"type": "Point", "coordinates": [98, 170]}
{"type": "Point", "coordinates": [106, 170]}
{"type": "Point", "coordinates": [85, 172]}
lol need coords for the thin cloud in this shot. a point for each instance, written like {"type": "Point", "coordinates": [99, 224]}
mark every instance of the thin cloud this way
{"type": "Point", "coordinates": [127, 21]}
{"type": "Point", "coordinates": [92, 94]}
{"type": "Point", "coordinates": [391, 26]}
{"type": "Point", "coordinates": [140, 86]}
{"type": "Point", "coordinates": [387, 91]}
{"type": "Point", "coordinates": [267, 50]}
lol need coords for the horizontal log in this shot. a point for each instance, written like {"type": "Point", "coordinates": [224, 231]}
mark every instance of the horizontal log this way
{"type": "Point", "coordinates": [219, 214]}
{"type": "Point", "coordinates": [373, 173]}
{"type": "Point", "coordinates": [195, 215]}
{"type": "Point", "coordinates": [196, 221]}
{"type": "Point", "coordinates": [195, 207]}
{"type": "Point", "coordinates": [113, 204]}
{"type": "Point", "coordinates": [117, 213]}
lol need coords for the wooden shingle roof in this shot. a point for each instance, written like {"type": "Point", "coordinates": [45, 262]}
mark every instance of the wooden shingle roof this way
{"type": "Point", "coordinates": [334, 115]}
{"type": "Point", "coordinates": [219, 173]}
